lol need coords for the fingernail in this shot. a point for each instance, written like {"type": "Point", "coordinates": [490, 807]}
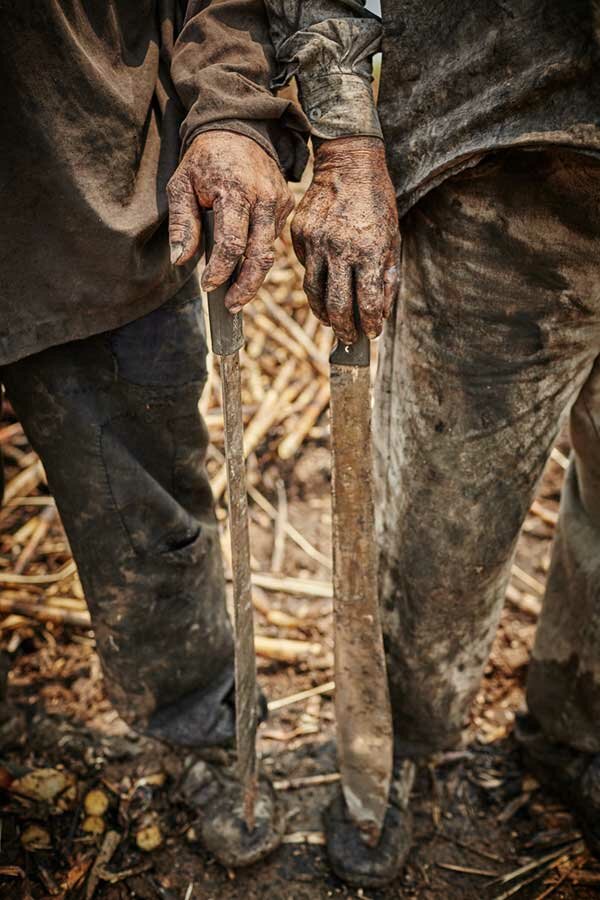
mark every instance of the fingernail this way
{"type": "Point", "coordinates": [176, 253]}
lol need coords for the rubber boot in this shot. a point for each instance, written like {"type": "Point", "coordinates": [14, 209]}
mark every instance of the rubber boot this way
{"type": "Point", "coordinates": [215, 793]}
{"type": "Point", "coordinates": [571, 775]}
{"type": "Point", "coordinates": [353, 860]}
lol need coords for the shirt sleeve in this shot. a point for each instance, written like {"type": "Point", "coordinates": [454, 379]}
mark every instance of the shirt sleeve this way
{"type": "Point", "coordinates": [222, 66]}
{"type": "Point", "coordinates": [328, 46]}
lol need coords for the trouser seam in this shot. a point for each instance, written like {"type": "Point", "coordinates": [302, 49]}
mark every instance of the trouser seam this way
{"type": "Point", "coordinates": [115, 505]}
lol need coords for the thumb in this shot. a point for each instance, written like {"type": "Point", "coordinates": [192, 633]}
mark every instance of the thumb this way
{"type": "Point", "coordinates": [184, 220]}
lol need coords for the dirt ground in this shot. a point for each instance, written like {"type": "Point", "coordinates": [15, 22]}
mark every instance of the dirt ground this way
{"type": "Point", "coordinates": [479, 817]}
{"type": "Point", "coordinates": [484, 828]}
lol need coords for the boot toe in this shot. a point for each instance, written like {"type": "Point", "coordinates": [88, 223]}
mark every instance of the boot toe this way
{"type": "Point", "coordinates": [571, 775]}
{"type": "Point", "coordinates": [217, 796]}
{"type": "Point", "coordinates": [352, 860]}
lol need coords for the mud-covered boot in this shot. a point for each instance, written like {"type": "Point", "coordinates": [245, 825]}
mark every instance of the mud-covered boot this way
{"type": "Point", "coordinates": [572, 775]}
{"type": "Point", "coordinates": [213, 791]}
{"type": "Point", "coordinates": [351, 858]}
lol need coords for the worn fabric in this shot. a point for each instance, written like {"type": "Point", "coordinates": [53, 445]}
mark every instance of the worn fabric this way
{"type": "Point", "coordinates": [327, 45]}
{"type": "Point", "coordinates": [458, 78]}
{"type": "Point", "coordinates": [115, 421]}
{"type": "Point", "coordinates": [563, 687]}
{"type": "Point", "coordinates": [97, 100]}
{"type": "Point", "coordinates": [494, 340]}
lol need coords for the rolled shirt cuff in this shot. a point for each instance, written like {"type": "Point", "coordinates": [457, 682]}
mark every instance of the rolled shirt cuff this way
{"type": "Point", "coordinates": [339, 105]}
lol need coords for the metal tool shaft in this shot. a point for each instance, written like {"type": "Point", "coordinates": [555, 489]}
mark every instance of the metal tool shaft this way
{"type": "Point", "coordinates": [227, 339]}
{"type": "Point", "coordinates": [363, 714]}
{"type": "Point", "coordinates": [245, 659]}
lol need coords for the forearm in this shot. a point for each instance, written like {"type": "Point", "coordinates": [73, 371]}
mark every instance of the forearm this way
{"type": "Point", "coordinates": [345, 231]}
{"type": "Point", "coordinates": [328, 45]}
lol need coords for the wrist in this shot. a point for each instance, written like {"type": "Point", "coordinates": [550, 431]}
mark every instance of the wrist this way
{"type": "Point", "coordinates": [348, 152]}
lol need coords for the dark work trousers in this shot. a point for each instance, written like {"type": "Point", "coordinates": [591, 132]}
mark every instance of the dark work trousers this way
{"type": "Point", "coordinates": [494, 342]}
{"type": "Point", "coordinates": [115, 421]}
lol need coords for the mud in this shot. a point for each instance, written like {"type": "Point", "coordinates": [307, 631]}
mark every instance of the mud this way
{"type": "Point", "coordinates": [474, 809]}
{"type": "Point", "coordinates": [345, 233]}
{"type": "Point", "coordinates": [233, 175]}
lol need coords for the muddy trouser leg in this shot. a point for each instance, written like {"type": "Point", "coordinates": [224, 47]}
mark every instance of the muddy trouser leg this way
{"type": "Point", "coordinates": [115, 421]}
{"type": "Point", "coordinates": [495, 332]}
{"type": "Point", "coordinates": [563, 688]}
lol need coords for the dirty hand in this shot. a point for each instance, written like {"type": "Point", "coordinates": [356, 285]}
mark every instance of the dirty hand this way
{"type": "Point", "coordinates": [345, 233]}
{"type": "Point", "coordinates": [232, 175]}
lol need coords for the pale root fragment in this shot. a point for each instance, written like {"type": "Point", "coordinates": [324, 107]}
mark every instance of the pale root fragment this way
{"type": "Point", "coordinates": [96, 802]}
{"type": "Point", "coordinates": [94, 825]}
{"type": "Point", "coordinates": [47, 786]}
{"type": "Point", "coordinates": [149, 838]}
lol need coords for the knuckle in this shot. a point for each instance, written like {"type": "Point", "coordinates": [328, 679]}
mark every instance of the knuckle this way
{"type": "Point", "coordinates": [339, 246]}
{"type": "Point", "coordinates": [179, 193]}
{"type": "Point", "coordinates": [181, 232]}
{"type": "Point", "coordinates": [269, 201]}
{"type": "Point", "coordinates": [264, 213]}
{"type": "Point", "coordinates": [175, 186]}
{"type": "Point", "coordinates": [238, 293]}
{"type": "Point", "coordinates": [179, 220]}
{"type": "Point", "coordinates": [263, 261]}
{"type": "Point", "coordinates": [230, 247]}
{"type": "Point", "coordinates": [310, 285]}
{"type": "Point", "coordinates": [245, 292]}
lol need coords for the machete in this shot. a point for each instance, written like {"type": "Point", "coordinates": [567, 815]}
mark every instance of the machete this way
{"type": "Point", "coordinates": [227, 338]}
{"type": "Point", "coordinates": [362, 703]}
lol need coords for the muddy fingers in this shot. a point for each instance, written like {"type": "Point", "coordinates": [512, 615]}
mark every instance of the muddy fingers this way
{"type": "Point", "coordinates": [347, 227]}
{"type": "Point", "coordinates": [231, 174]}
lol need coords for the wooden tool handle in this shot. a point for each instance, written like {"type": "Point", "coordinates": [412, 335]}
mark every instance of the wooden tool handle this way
{"type": "Point", "coordinates": [226, 330]}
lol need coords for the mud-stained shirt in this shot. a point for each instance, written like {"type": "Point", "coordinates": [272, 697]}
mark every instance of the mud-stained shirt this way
{"type": "Point", "coordinates": [459, 78]}
{"type": "Point", "coordinates": [97, 100]}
